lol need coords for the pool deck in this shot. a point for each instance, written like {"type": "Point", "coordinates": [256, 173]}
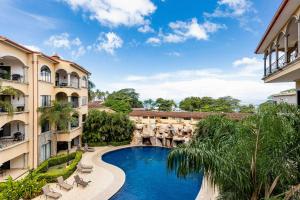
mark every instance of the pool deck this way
{"type": "Point", "coordinates": [106, 180]}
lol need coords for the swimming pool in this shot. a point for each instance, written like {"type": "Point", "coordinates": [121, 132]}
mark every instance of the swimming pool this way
{"type": "Point", "coordinates": [147, 176]}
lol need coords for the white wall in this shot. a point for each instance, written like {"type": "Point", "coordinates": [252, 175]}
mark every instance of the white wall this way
{"type": "Point", "coordinates": [18, 101]}
{"type": "Point", "coordinates": [14, 127]}
{"type": "Point", "coordinates": [16, 66]}
{"type": "Point", "coordinates": [290, 99]}
{"type": "Point", "coordinates": [18, 162]}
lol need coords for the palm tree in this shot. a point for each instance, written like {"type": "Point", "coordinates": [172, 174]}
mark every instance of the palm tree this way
{"type": "Point", "coordinates": [91, 93]}
{"type": "Point", "coordinates": [257, 158]}
{"type": "Point", "coordinates": [58, 115]}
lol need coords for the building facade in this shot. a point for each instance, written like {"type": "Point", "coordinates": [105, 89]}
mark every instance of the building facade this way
{"type": "Point", "coordinates": [288, 97]}
{"type": "Point", "coordinates": [280, 46]}
{"type": "Point", "coordinates": [40, 79]}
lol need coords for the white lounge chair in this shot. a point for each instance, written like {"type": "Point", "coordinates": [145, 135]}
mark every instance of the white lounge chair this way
{"type": "Point", "coordinates": [62, 184]}
{"type": "Point", "coordinates": [48, 192]}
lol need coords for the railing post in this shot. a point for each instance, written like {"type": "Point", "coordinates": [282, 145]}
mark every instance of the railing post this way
{"type": "Point", "coordinates": [286, 46]}
{"type": "Point", "coordinates": [270, 60]}
{"type": "Point", "coordinates": [265, 65]}
{"type": "Point", "coordinates": [277, 63]}
{"type": "Point", "coordinates": [298, 50]}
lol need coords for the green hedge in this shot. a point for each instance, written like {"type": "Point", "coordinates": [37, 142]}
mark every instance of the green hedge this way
{"type": "Point", "coordinates": [51, 176]}
{"type": "Point", "coordinates": [31, 185]}
{"type": "Point", "coordinates": [100, 144]}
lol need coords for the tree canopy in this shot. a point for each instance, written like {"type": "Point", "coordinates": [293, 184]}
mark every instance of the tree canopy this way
{"type": "Point", "coordinates": [107, 127]}
{"type": "Point", "coordinates": [256, 158]}
{"type": "Point", "coordinates": [164, 104]}
{"type": "Point", "coordinates": [208, 104]}
{"type": "Point", "coordinates": [123, 100]}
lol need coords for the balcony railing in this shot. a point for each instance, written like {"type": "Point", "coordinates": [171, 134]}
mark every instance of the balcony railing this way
{"type": "Point", "coordinates": [7, 141]}
{"type": "Point", "coordinates": [13, 77]}
{"type": "Point", "coordinates": [281, 63]}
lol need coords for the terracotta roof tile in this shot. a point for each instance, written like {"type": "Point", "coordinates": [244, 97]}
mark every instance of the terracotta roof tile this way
{"type": "Point", "coordinates": [194, 115]}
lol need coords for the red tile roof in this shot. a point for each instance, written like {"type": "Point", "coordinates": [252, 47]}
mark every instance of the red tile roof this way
{"type": "Point", "coordinates": [194, 115]}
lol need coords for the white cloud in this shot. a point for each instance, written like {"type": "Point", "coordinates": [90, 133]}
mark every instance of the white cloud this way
{"type": "Point", "coordinates": [146, 28]}
{"type": "Point", "coordinates": [155, 41]}
{"type": "Point", "coordinates": [33, 48]}
{"type": "Point", "coordinates": [115, 12]}
{"type": "Point", "coordinates": [242, 81]}
{"type": "Point", "coordinates": [64, 41]}
{"type": "Point", "coordinates": [184, 30]}
{"type": "Point", "coordinates": [231, 8]}
{"type": "Point", "coordinates": [109, 42]}
{"type": "Point", "coordinates": [174, 53]}
{"type": "Point", "coordinates": [241, 10]}
{"type": "Point", "coordinates": [78, 52]}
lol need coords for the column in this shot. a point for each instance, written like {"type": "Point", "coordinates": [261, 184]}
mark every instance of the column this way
{"type": "Point", "coordinates": [69, 145]}
{"type": "Point", "coordinates": [26, 103]}
{"type": "Point", "coordinates": [25, 74]}
{"type": "Point", "coordinates": [69, 79]}
{"type": "Point", "coordinates": [270, 60]}
{"type": "Point", "coordinates": [25, 131]}
{"type": "Point", "coordinates": [265, 64]}
{"type": "Point", "coordinates": [277, 56]}
{"type": "Point", "coordinates": [80, 141]}
{"type": "Point", "coordinates": [298, 38]}
{"type": "Point", "coordinates": [79, 82]}
{"type": "Point", "coordinates": [286, 48]}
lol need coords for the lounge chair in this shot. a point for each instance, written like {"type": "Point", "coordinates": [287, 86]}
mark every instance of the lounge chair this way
{"type": "Point", "coordinates": [80, 181]}
{"type": "Point", "coordinates": [85, 166]}
{"type": "Point", "coordinates": [88, 149]}
{"type": "Point", "coordinates": [48, 192]}
{"type": "Point", "coordinates": [62, 184]}
{"type": "Point", "coordinates": [83, 170]}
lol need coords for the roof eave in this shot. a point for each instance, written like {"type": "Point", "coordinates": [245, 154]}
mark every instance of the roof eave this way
{"type": "Point", "coordinates": [273, 21]}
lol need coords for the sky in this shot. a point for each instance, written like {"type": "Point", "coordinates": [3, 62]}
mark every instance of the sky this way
{"type": "Point", "coordinates": [162, 48]}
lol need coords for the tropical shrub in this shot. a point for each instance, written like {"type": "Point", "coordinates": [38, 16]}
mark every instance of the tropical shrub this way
{"type": "Point", "coordinates": [58, 115]}
{"type": "Point", "coordinates": [256, 158]}
{"type": "Point", "coordinates": [107, 127]}
{"type": "Point", "coordinates": [31, 185]}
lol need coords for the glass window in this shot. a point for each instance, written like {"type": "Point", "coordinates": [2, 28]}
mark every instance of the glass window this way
{"type": "Point", "coordinates": [84, 101]}
{"type": "Point", "coordinates": [83, 117]}
{"type": "Point", "coordinates": [45, 100]}
{"type": "Point", "coordinates": [84, 82]}
{"type": "Point", "coordinates": [45, 74]}
{"type": "Point", "coordinates": [45, 127]}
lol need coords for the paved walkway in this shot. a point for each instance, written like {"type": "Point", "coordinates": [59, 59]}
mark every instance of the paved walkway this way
{"type": "Point", "coordinates": [106, 179]}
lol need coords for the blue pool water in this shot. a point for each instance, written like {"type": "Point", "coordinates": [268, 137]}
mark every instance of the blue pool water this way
{"type": "Point", "coordinates": [147, 176]}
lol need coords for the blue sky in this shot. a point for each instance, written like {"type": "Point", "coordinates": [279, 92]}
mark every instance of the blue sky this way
{"type": "Point", "coordinates": [162, 48]}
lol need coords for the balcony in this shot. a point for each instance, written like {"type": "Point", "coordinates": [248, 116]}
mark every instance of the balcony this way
{"type": "Point", "coordinates": [12, 133]}
{"type": "Point", "coordinates": [13, 103]}
{"type": "Point", "coordinates": [66, 80]}
{"type": "Point", "coordinates": [281, 60]}
{"type": "Point", "coordinates": [13, 73]}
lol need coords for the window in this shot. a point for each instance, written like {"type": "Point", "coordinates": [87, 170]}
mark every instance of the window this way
{"type": "Point", "coordinates": [187, 118]}
{"type": "Point", "coordinates": [45, 74]}
{"type": "Point", "coordinates": [84, 101]}
{"type": "Point", "coordinates": [45, 127]}
{"type": "Point", "coordinates": [45, 151]}
{"type": "Point", "coordinates": [84, 82]}
{"type": "Point", "coordinates": [45, 100]}
{"type": "Point", "coordinates": [83, 117]}
{"type": "Point", "coordinates": [75, 122]}
{"type": "Point", "coordinates": [164, 118]}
